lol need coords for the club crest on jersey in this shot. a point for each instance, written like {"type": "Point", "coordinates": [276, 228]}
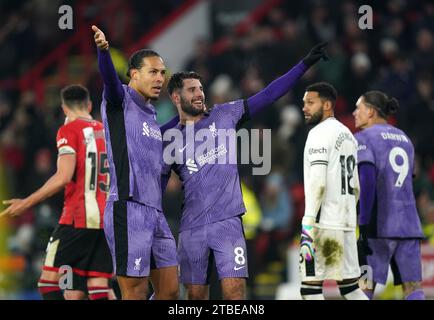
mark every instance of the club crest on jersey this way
{"type": "Point", "coordinates": [213, 130]}
{"type": "Point", "coordinates": [137, 264]}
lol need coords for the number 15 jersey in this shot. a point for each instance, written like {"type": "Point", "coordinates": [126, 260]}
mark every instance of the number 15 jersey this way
{"type": "Point", "coordinates": [331, 144]}
{"type": "Point", "coordinates": [392, 153]}
{"type": "Point", "coordinates": [85, 195]}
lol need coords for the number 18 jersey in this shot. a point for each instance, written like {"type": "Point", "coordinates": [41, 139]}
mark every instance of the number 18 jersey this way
{"type": "Point", "coordinates": [331, 144]}
{"type": "Point", "coordinates": [85, 195]}
{"type": "Point", "coordinates": [392, 153]}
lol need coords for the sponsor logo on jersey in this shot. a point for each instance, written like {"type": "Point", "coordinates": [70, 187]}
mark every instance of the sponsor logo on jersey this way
{"type": "Point", "coordinates": [317, 151]}
{"type": "Point", "coordinates": [151, 132]}
{"type": "Point", "coordinates": [212, 155]}
{"type": "Point", "coordinates": [62, 141]}
{"type": "Point", "coordinates": [191, 166]}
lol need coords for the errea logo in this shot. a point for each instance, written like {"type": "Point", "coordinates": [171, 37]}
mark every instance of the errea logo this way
{"type": "Point", "coordinates": [61, 141]}
{"type": "Point", "coordinates": [145, 129]}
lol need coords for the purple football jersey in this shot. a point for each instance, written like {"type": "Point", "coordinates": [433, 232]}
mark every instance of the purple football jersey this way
{"type": "Point", "coordinates": [134, 149]}
{"type": "Point", "coordinates": [210, 179]}
{"type": "Point", "coordinates": [391, 151]}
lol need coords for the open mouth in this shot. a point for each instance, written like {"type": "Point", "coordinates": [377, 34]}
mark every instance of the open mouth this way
{"type": "Point", "coordinates": [198, 103]}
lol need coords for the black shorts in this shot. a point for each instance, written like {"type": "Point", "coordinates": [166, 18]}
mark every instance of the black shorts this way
{"type": "Point", "coordinates": [84, 250]}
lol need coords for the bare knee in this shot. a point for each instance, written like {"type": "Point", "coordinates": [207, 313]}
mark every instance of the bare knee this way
{"type": "Point", "coordinates": [234, 288]}
{"type": "Point", "coordinates": [197, 292]}
{"type": "Point", "coordinates": [74, 295]}
{"type": "Point", "coordinates": [133, 288]}
{"type": "Point", "coordinates": [165, 283]}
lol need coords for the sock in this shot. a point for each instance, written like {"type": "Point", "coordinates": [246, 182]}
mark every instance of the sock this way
{"type": "Point", "coordinates": [416, 295]}
{"type": "Point", "coordinates": [311, 291]}
{"type": "Point", "coordinates": [50, 290]}
{"type": "Point", "coordinates": [98, 293]}
{"type": "Point", "coordinates": [352, 291]}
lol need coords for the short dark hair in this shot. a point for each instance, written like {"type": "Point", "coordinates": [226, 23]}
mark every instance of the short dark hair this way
{"type": "Point", "coordinates": [325, 91]}
{"type": "Point", "coordinates": [381, 102]}
{"type": "Point", "coordinates": [136, 59]}
{"type": "Point", "coordinates": [177, 80]}
{"type": "Point", "coordinates": [75, 96]}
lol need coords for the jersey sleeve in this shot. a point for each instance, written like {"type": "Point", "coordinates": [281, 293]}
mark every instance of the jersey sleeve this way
{"type": "Point", "coordinates": [364, 149]}
{"type": "Point", "coordinates": [236, 110]}
{"type": "Point", "coordinates": [317, 149]}
{"type": "Point", "coordinates": [66, 141]}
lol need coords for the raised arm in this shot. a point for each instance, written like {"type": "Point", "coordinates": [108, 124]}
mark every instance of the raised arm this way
{"type": "Point", "coordinates": [285, 83]}
{"type": "Point", "coordinates": [113, 91]}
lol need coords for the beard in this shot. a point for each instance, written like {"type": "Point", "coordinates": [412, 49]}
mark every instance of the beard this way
{"type": "Point", "coordinates": [188, 108]}
{"type": "Point", "coordinates": [315, 118]}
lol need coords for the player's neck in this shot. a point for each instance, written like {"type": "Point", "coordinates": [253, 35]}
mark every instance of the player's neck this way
{"type": "Point", "coordinates": [328, 116]}
{"type": "Point", "coordinates": [187, 117]}
{"type": "Point", "coordinates": [133, 85]}
{"type": "Point", "coordinates": [377, 121]}
{"type": "Point", "coordinates": [76, 115]}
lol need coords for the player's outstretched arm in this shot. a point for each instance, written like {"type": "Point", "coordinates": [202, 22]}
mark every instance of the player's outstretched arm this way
{"type": "Point", "coordinates": [285, 83]}
{"type": "Point", "coordinates": [63, 175]}
{"type": "Point", "coordinates": [113, 91]}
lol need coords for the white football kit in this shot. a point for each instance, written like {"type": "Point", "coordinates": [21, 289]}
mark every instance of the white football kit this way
{"type": "Point", "coordinates": [331, 186]}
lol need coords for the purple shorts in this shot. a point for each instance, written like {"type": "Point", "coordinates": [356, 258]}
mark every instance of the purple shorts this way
{"type": "Point", "coordinates": [223, 240]}
{"type": "Point", "coordinates": [138, 236]}
{"type": "Point", "coordinates": [403, 256]}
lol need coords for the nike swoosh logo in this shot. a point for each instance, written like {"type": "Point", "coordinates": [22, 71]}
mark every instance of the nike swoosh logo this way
{"type": "Point", "coordinates": [182, 149]}
{"type": "Point", "coordinates": [238, 268]}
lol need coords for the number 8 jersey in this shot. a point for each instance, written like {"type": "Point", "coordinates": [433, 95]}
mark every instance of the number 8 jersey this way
{"type": "Point", "coordinates": [332, 146]}
{"type": "Point", "coordinates": [392, 153]}
{"type": "Point", "coordinates": [85, 195]}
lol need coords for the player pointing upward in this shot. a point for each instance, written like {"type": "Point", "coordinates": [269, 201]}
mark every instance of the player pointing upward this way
{"type": "Point", "coordinates": [135, 226]}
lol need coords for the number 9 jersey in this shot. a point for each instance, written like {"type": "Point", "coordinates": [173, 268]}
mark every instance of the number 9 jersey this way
{"type": "Point", "coordinates": [392, 153]}
{"type": "Point", "coordinates": [85, 195]}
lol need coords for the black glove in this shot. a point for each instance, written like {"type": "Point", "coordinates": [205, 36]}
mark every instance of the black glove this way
{"type": "Point", "coordinates": [362, 245]}
{"type": "Point", "coordinates": [315, 54]}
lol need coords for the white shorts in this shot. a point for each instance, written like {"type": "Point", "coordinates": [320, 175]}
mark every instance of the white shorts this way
{"type": "Point", "coordinates": [335, 257]}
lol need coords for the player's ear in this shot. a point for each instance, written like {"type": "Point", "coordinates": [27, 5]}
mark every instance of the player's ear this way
{"type": "Point", "coordinates": [175, 97]}
{"type": "Point", "coordinates": [134, 74]}
{"type": "Point", "coordinates": [65, 109]}
{"type": "Point", "coordinates": [89, 106]}
{"type": "Point", "coordinates": [328, 105]}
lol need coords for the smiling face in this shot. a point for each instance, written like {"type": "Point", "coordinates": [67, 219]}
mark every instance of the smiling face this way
{"type": "Point", "coordinates": [313, 108]}
{"type": "Point", "coordinates": [192, 97]}
{"type": "Point", "coordinates": [149, 79]}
